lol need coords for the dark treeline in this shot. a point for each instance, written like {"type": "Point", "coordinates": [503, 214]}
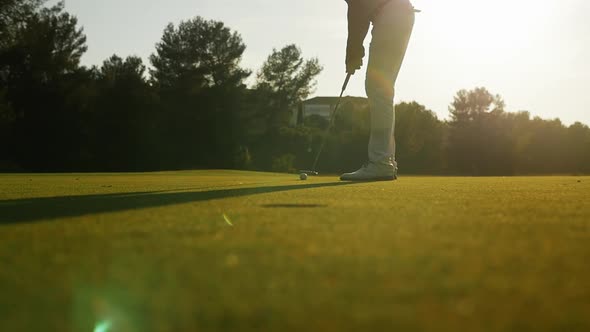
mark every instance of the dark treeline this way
{"type": "Point", "coordinates": [190, 108]}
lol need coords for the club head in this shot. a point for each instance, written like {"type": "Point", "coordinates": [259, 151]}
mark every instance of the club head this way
{"type": "Point", "coordinates": [311, 173]}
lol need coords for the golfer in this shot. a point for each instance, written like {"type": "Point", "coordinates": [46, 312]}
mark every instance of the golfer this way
{"type": "Point", "coordinates": [393, 21]}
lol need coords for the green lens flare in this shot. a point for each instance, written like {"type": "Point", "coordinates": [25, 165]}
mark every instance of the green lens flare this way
{"type": "Point", "coordinates": [227, 220]}
{"type": "Point", "coordinates": [102, 326]}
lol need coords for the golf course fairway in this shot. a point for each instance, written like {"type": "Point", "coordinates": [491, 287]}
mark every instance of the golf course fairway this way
{"type": "Point", "coordinates": [246, 251]}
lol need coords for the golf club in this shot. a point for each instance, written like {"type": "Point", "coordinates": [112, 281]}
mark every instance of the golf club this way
{"type": "Point", "coordinates": [313, 170]}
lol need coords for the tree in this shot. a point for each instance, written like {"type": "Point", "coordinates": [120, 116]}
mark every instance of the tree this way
{"type": "Point", "coordinates": [476, 139]}
{"type": "Point", "coordinates": [577, 148]}
{"type": "Point", "coordinates": [420, 138]}
{"type": "Point", "coordinates": [472, 104]}
{"type": "Point", "coordinates": [47, 43]}
{"type": "Point", "coordinates": [286, 78]}
{"type": "Point", "coordinates": [284, 81]}
{"type": "Point", "coordinates": [40, 57]}
{"type": "Point", "coordinates": [124, 117]}
{"type": "Point", "coordinates": [198, 76]}
{"type": "Point", "coordinates": [7, 118]}
{"type": "Point", "coordinates": [199, 53]}
{"type": "Point", "coordinates": [116, 69]}
{"type": "Point", "coordinates": [13, 17]}
{"type": "Point", "coordinates": [546, 152]}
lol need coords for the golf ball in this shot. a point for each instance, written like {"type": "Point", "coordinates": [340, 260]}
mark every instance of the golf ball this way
{"type": "Point", "coordinates": [303, 176]}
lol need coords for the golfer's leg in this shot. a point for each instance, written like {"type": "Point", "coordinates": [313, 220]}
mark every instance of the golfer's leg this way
{"type": "Point", "coordinates": [387, 51]}
{"type": "Point", "coordinates": [380, 92]}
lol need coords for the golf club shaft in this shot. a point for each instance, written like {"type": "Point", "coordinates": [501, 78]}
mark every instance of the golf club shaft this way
{"type": "Point", "coordinates": [331, 124]}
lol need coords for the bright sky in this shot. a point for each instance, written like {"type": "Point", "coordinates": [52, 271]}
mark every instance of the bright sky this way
{"type": "Point", "coordinates": [532, 52]}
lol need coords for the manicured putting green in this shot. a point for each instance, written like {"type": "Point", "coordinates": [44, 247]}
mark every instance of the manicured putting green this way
{"type": "Point", "coordinates": [245, 251]}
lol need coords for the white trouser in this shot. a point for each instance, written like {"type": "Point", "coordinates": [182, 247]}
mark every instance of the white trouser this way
{"type": "Point", "coordinates": [391, 33]}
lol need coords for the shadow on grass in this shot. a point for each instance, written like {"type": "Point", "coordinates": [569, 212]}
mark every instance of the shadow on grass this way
{"type": "Point", "coordinates": [37, 209]}
{"type": "Point", "coordinates": [293, 206]}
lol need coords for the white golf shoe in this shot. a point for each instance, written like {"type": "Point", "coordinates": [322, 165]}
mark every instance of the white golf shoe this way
{"type": "Point", "coordinates": [372, 172]}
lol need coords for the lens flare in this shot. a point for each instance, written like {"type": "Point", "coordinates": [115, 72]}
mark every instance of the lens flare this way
{"type": "Point", "coordinates": [227, 220]}
{"type": "Point", "coordinates": [102, 326]}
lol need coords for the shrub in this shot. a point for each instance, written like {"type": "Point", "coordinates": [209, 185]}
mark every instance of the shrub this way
{"type": "Point", "coordinates": [284, 164]}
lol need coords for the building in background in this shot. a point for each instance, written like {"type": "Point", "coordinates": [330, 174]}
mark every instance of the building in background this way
{"type": "Point", "coordinates": [318, 106]}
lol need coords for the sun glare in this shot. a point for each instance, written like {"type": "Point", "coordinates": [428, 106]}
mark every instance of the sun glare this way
{"type": "Point", "coordinates": [484, 29]}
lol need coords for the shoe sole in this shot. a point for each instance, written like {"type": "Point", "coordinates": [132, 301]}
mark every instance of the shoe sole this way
{"type": "Point", "coordinates": [385, 178]}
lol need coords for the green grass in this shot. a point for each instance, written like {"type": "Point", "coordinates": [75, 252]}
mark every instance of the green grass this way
{"type": "Point", "coordinates": [237, 251]}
